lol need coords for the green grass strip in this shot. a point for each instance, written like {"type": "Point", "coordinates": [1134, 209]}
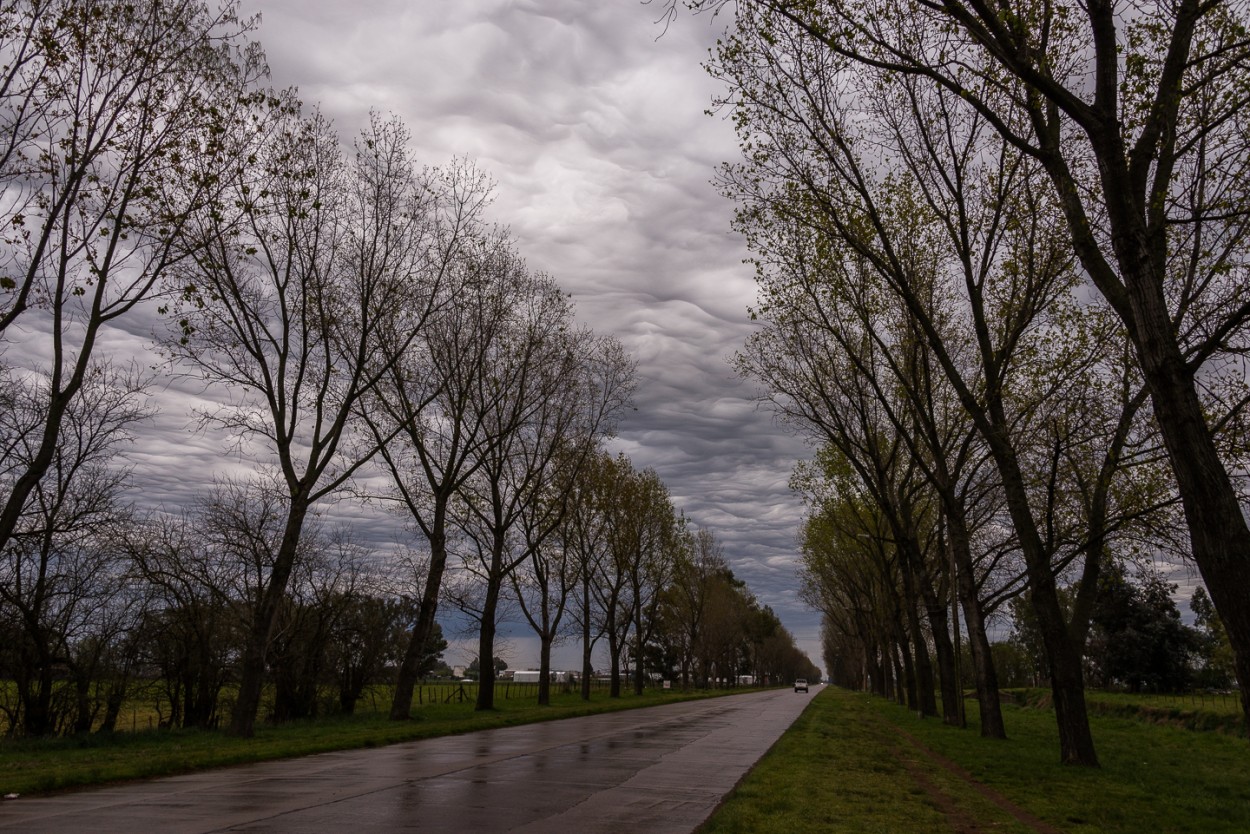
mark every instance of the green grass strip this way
{"type": "Point", "coordinates": [846, 767]}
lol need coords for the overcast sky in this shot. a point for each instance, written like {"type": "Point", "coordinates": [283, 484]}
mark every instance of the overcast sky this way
{"type": "Point", "coordinates": [594, 128]}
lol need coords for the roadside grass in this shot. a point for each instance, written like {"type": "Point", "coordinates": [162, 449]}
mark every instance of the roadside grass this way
{"type": "Point", "coordinates": [1153, 777]}
{"type": "Point", "coordinates": [844, 766]}
{"type": "Point", "coordinates": [44, 765]}
{"type": "Point", "coordinates": [839, 768]}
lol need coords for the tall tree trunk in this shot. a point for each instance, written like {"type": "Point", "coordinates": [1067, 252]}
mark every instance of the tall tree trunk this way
{"type": "Point", "coordinates": [112, 708]}
{"type": "Point", "coordinates": [878, 664]}
{"type": "Point", "coordinates": [82, 697]}
{"type": "Point", "coordinates": [906, 675]}
{"type": "Point", "coordinates": [1076, 742]}
{"type": "Point", "coordinates": [895, 677]}
{"type": "Point", "coordinates": [614, 652]}
{"type": "Point", "coordinates": [1218, 533]}
{"type": "Point", "coordinates": [256, 649]}
{"type": "Point", "coordinates": [1219, 538]}
{"type": "Point", "coordinates": [410, 666]}
{"type": "Point", "coordinates": [544, 670]}
{"type": "Point", "coordinates": [948, 679]}
{"type": "Point", "coordinates": [38, 717]}
{"type": "Point", "coordinates": [615, 644]}
{"type": "Point", "coordinates": [914, 574]}
{"type": "Point", "coordinates": [639, 671]}
{"type": "Point", "coordinates": [1067, 683]}
{"type": "Point", "coordinates": [486, 664]}
{"type": "Point", "coordinates": [546, 635]}
{"type": "Point", "coordinates": [985, 676]}
{"type": "Point", "coordinates": [587, 670]}
{"type": "Point", "coordinates": [926, 683]}
{"type": "Point", "coordinates": [486, 636]}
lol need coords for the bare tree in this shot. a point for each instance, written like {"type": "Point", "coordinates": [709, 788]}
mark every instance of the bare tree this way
{"type": "Point", "coordinates": [563, 510]}
{"type": "Point", "coordinates": [555, 392]}
{"type": "Point", "coordinates": [209, 569]}
{"type": "Point", "coordinates": [369, 639]}
{"type": "Point", "coordinates": [587, 537]}
{"type": "Point", "coordinates": [194, 623]}
{"type": "Point", "coordinates": [643, 538]}
{"type": "Point", "coordinates": [429, 417]}
{"type": "Point", "coordinates": [685, 601]}
{"type": "Point", "coordinates": [117, 121]}
{"type": "Point", "coordinates": [319, 597]}
{"type": "Point", "coordinates": [544, 585]}
{"type": "Point", "coordinates": [949, 226]}
{"type": "Point", "coordinates": [605, 604]}
{"type": "Point", "coordinates": [57, 565]}
{"type": "Point", "coordinates": [847, 574]}
{"type": "Point", "coordinates": [331, 265]}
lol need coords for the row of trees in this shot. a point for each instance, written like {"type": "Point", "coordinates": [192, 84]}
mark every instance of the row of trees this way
{"type": "Point", "coordinates": [656, 591]}
{"type": "Point", "coordinates": [363, 333]}
{"type": "Point", "coordinates": [156, 611]}
{"type": "Point", "coordinates": [622, 570]}
{"type": "Point", "coordinates": [351, 307]}
{"type": "Point", "coordinates": [1001, 259]}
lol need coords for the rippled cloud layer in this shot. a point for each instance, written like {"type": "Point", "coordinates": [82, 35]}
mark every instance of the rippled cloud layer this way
{"type": "Point", "coordinates": [594, 127]}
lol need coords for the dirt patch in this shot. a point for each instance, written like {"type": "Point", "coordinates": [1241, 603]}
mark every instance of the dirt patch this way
{"type": "Point", "coordinates": [959, 819]}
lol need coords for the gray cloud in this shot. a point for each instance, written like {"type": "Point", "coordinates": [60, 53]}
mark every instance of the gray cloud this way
{"type": "Point", "coordinates": [595, 133]}
{"type": "Point", "coordinates": [594, 127]}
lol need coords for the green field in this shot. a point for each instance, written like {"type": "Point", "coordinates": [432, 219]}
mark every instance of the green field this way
{"type": "Point", "coordinates": [856, 763]}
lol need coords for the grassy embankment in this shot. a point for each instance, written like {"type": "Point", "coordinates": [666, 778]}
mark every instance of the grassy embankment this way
{"type": "Point", "coordinates": [853, 762]}
{"type": "Point", "coordinates": [44, 765]}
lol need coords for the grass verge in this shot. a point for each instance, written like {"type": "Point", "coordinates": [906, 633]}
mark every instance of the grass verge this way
{"type": "Point", "coordinates": [40, 766]}
{"type": "Point", "coordinates": [853, 762]}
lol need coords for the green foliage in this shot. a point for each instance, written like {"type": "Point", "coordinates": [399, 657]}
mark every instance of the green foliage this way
{"type": "Point", "coordinates": [1214, 654]}
{"type": "Point", "coordinates": [1138, 641]}
{"type": "Point", "coordinates": [475, 668]}
{"type": "Point", "coordinates": [1014, 664]}
{"type": "Point", "coordinates": [712, 626]}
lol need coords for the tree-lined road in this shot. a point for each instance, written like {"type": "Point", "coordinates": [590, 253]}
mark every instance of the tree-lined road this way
{"type": "Point", "coordinates": [661, 769]}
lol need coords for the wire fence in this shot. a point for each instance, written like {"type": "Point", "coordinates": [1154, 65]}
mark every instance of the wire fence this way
{"type": "Point", "coordinates": [446, 692]}
{"type": "Point", "coordinates": [1206, 700]}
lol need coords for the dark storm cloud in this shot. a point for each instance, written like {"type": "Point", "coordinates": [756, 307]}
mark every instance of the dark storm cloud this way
{"type": "Point", "coordinates": [595, 133]}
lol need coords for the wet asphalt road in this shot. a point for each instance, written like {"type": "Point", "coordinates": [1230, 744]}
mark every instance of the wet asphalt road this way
{"type": "Point", "coordinates": [661, 769]}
